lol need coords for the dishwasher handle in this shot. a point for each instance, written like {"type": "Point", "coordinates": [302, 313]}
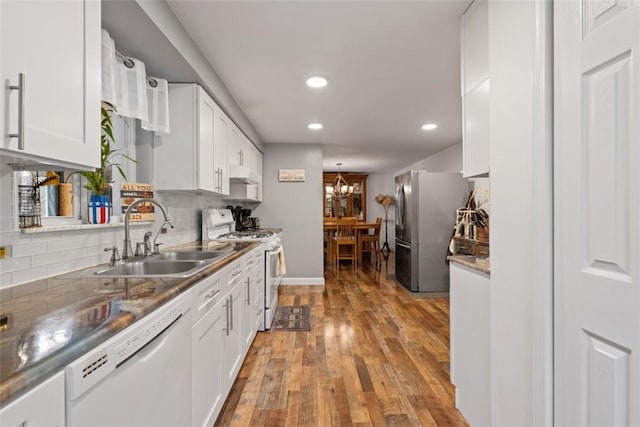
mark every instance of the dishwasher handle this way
{"type": "Point", "coordinates": [153, 346]}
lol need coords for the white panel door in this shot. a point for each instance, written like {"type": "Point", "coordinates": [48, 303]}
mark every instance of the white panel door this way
{"type": "Point", "coordinates": [206, 169]}
{"type": "Point", "coordinates": [597, 217]}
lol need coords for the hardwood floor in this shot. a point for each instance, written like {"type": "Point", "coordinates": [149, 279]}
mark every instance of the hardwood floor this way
{"type": "Point", "coordinates": [374, 356]}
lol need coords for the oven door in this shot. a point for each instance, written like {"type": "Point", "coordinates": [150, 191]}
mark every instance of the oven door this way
{"type": "Point", "coordinates": [274, 270]}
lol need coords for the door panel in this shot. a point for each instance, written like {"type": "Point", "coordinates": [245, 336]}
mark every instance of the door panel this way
{"type": "Point", "coordinates": [597, 206]}
{"type": "Point", "coordinates": [403, 263]}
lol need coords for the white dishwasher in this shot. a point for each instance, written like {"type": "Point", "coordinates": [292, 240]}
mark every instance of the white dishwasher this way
{"type": "Point", "coordinates": [140, 377]}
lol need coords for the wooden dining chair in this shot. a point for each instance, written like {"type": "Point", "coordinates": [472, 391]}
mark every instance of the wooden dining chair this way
{"type": "Point", "coordinates": [370, 243]}
{"type": "Point", "coordinates": [345, 243]}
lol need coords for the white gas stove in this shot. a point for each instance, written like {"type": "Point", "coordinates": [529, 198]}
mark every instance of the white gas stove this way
{"type": "Point", "coordinates": [218, 225]}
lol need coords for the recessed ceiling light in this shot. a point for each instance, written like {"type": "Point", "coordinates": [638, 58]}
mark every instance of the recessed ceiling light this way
{"type": "Point", "coordinates": [316, 81]}
{"type": "Point", "coordinates": [315, 126]}
{"type": "Point", "coordinates": [429, 126]}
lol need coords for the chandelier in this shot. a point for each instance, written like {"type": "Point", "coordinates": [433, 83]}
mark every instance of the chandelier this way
{"type": "Point", "coordinates": [341, 187]}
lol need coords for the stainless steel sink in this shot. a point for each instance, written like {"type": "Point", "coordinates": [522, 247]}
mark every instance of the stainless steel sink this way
{"type": "Point", "coordinates": [190, 255]}
{"type": "Point", "coordinates": [154, 269]}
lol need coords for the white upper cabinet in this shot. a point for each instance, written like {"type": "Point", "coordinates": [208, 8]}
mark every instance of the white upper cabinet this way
{"type": "Point", "coordinates": [475, 45]}
{"type": "Point", "coordinates": [236, 147]}
{"type": "Point", "coordinates": [186, 158]}
{"type": "Point", "coordinates": [476, 131]}
{"type": "Point", "coordinates": [220, 152]}
{"type": "Point", "coordinates": [51, 50]}
{"type": "Point", "coordinates": [475, 89]}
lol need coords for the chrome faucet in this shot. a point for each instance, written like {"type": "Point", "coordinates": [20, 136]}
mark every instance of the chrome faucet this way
{"type": "Point", "coordinates": [127, 251]}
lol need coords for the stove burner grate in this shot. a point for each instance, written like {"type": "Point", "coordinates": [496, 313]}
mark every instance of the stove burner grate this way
{"type": "Point", "coordinates": [239, 235]}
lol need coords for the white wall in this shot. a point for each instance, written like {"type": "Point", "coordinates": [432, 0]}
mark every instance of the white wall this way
{"type": "Point", "coordinates": [379, 183]}
{"type": "Point", "coordinates": [296, 207]}
{"type": "Point", "coordinates": [518, 136]}
{"type": "Point", "coordinates": [447, 160]}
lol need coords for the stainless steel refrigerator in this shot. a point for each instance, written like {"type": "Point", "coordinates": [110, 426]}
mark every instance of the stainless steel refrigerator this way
{"type": "Point", "coordinates": [426, 204]}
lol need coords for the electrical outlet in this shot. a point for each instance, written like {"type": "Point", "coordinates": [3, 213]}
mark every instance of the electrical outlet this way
{"type": "Point", "coordinates": [5, 252]}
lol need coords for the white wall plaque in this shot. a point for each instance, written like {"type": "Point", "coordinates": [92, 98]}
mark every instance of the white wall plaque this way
{"type": "Point", "coordinates": [291, 175]}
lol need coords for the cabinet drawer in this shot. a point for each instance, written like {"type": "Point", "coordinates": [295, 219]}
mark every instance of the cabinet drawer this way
{"type": "Point", "coordinates": [206, 294]}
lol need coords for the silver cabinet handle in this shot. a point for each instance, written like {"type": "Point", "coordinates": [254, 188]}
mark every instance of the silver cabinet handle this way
{"type": "Point", "coordinates": [211, 294]}
{"type": "Point", "coordinates": [226, 308]}
{"type": "Point", "coordinates": [230, 312]}
{"type": "Point", "coordinates": [20, 87]}
{"type": "Point", "coordinates": [248, 291]}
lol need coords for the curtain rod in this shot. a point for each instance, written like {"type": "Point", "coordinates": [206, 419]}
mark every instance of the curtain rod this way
{"type": "Point", "coordinates": [128, 62]}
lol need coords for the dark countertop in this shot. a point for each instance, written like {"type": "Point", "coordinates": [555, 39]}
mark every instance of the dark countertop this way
{"type": "Point", "coordinates": [477, 263]}
{"type": "Point", "coordinates": [53, 321]}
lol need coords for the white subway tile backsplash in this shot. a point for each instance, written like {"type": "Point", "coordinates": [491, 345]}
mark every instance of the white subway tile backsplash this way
{"type": "Point", "coordinates": [30, 274]}
{"type": "Point", "coordinates": [6, 279]}
{"type": "Point", "coordinates": [61, 267]}
{"type": "Point", "coordinates": [14, 263]}
{"type": "Point", "coordinates": [47, 237]}
{"type": "Point", "coordinates": [69, 243]}
{"type": "Point", "coordinates": [46, 259]}
{"type": "Point", "coordinates": [26, 249]}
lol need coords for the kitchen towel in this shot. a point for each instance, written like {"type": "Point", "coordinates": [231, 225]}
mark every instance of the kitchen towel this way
{"type": "Point", "coordinates": [131, 86]}
{"type": "Point", "coordinates": [158, 106]}
{"type": "Point", "coordinates": [108, 69]}
{"type": "Point", "coordinates": [281, 269]}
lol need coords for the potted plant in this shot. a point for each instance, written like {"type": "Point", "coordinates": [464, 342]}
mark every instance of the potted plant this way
{"type": "Point", "coordinates": [98, 180]}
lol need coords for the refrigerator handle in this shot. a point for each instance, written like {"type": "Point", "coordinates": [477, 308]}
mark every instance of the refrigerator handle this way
{"type": "Point", "coordinates": [400, 205]}
{"type": "Point", "coordinates": [402, 245]}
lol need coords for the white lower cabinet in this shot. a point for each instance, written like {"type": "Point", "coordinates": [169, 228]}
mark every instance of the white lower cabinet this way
{"type": "Point", "coordinates": [252, 292]}
{"type": "Point", "coordinates": [469, 298]}
{"type": "Point", "coordinates": [232, 336]}
{"type": "Point", "coordinates": [206, 345]}
{"type": "Point", "coordinates": [42, 406]}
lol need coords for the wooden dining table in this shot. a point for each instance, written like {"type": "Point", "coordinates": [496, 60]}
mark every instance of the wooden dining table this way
{"type": "Point", "coordinates": [332, 226]}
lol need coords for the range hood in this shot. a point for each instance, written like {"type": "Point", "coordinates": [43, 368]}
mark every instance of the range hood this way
{"type": "Point", "coordinates": [243, 174]}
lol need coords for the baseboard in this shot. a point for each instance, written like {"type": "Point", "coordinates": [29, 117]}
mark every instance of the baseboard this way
{"type": "Point", "coordinates": [303, 281]}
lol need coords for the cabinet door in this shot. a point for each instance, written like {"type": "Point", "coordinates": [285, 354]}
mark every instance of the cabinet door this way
{"type": "Point", "coordinates": [234, 145]}
{"type": "Point", "coordinates": [475, 135]}
{"type": "Point", "coordinates": [56, 46]}
{"type": "Point", "coordinates": [475, 45]}
{"type": "Point", "coordinates": [258, 162]}
{"type": "Point", "coordinates": [470, 343]}
{"type": "Point", "coordinates": [248, 313]}
{"type": "Point", "coordinates": [207, 380]}
{"type": "Point", "coordinates": [42, 406]}
{"type": "Point", "coordinates": [206, 125]}
{"type": "Point", "coordinates": [220, 144]}
{"type": "Point", "coordinates": [232, 341]}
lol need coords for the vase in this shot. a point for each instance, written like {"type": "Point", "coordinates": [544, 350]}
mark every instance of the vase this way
{"type": "Point", "coordinates": [99, 211]}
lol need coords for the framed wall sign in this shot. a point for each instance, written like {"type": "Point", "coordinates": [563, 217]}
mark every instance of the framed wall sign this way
{"type": "Point", "coordinates": [132, 191]}
{"type": "Point", "coordinates": [291, 175]}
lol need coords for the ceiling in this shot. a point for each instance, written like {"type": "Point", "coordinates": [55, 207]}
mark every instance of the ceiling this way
{"type": "Point", "coordinates": [392, 66]}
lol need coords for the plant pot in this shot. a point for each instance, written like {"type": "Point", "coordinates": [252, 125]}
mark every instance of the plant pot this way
{"type": "Point", "coordinates": [99, 211]}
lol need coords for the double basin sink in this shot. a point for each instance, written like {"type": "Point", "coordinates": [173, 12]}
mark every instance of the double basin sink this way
{"type": "Point", "coordinates": [166, 264]}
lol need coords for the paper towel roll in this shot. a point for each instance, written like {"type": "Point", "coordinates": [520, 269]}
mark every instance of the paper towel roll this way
{"type": "Point", "coordinates": [65, 199]}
